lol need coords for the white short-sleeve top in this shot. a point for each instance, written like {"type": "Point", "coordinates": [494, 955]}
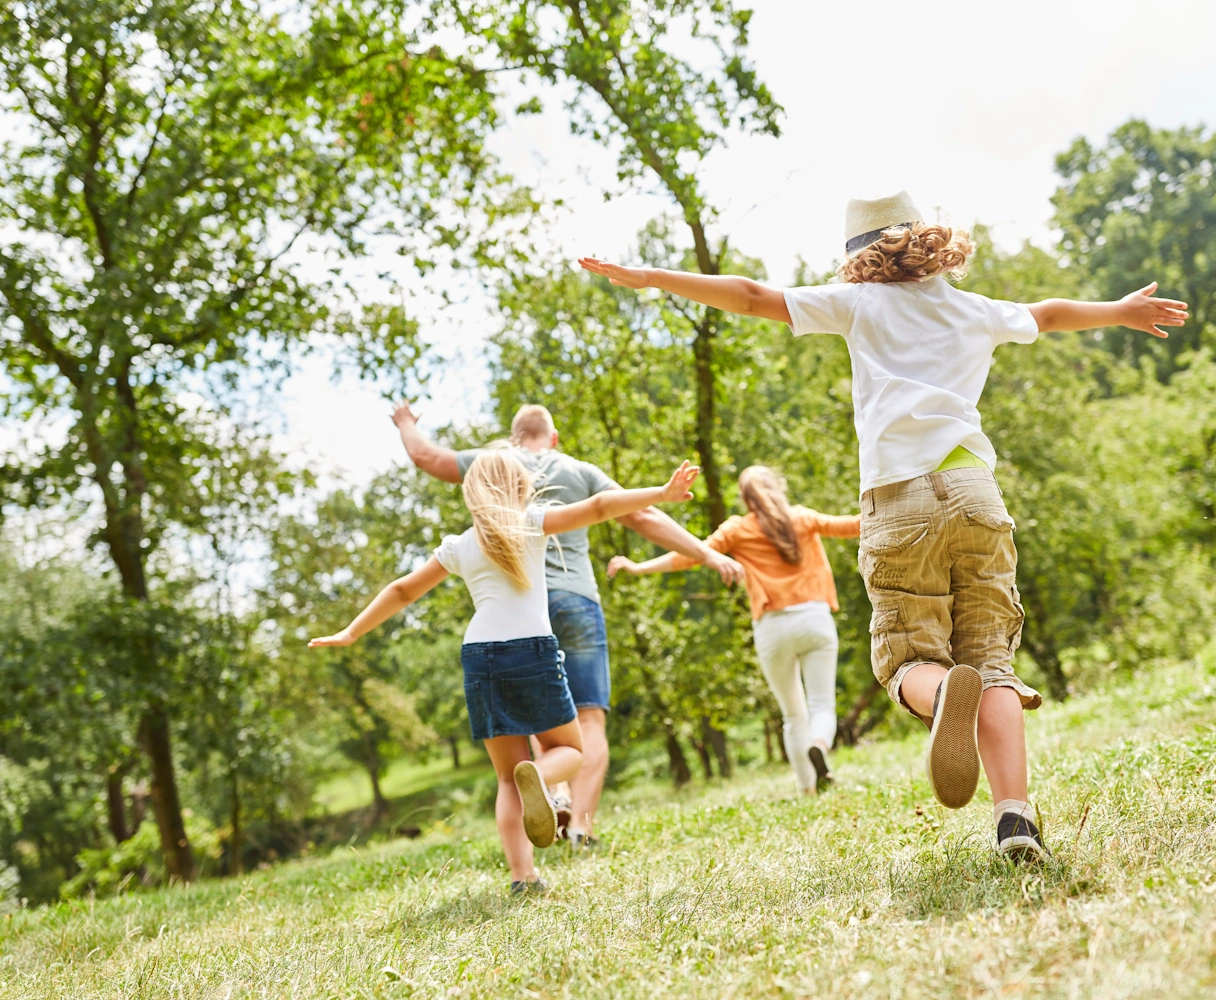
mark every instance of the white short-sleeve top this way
{"type": "Point", "coordinates": [921, 351]}
{"type": "Point", "coordinates": [502, 611]}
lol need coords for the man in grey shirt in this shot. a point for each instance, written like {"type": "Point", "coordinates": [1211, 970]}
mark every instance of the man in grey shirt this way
{"type": "Point", "coordinates": [574, 600]}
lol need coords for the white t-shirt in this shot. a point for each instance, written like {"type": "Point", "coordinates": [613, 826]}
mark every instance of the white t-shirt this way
{"type": "Point", "coordinates": [921, 351]}
{"type": "Point", "coordinates": [502, 611]}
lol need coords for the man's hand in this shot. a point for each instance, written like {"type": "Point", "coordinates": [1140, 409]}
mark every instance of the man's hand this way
{"type": "Point", "coordinates": [726, 567]}
{"type": "Point", "coordinates": [629, 277]}
{"type": "Point", "coordinates": [618, 563]}
{"type": "Point", "coordinates": [403, 415]}
{"type": "Point", "coordinates": [343, 638]}
{"type": "Point", "coordinates": [679, 486]}
{"type": "Point", "coordinates": [1143, 312]}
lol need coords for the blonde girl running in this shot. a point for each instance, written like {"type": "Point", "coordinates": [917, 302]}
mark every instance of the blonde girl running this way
{"type": "Point", "coordinates": [514, 682]}
{"type": "Point", "coordinates": [793, 595]}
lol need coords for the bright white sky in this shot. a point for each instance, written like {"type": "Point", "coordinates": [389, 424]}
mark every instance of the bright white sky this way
{"type": "Point", "coordinates": [965, 105]}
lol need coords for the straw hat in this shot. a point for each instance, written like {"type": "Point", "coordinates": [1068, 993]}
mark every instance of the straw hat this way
{"type": "Point", "coordinates": [864, 221]}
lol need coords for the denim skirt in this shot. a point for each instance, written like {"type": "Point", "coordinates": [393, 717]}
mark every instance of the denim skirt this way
{"type": "Point", "coordinates": [515, 688]}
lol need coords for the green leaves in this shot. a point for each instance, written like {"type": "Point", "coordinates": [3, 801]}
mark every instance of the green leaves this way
{"type": "Point", "coordinates": [1142, 208]}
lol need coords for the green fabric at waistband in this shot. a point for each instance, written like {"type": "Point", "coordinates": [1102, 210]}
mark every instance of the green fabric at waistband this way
{"type": "Point", "coordinates": [961, 458]}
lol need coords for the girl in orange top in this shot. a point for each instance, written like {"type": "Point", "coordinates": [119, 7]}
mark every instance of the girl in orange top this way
{"type": "Point", "coordinates": [793, 595]}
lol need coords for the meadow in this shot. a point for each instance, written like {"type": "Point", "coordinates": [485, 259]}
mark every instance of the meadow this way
{"type": "Point", "coordinates": [733, 889]}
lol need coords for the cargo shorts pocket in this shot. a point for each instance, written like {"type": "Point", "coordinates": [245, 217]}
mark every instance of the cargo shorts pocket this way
{"type": "Point", "coordinates": [880, 557]}
{"type": "Point", "coordinates": [890, 644]}
{"type": "Point", "coordinates": [996, 518]}
{"type": "Point", "coordinates": [1019, 619]}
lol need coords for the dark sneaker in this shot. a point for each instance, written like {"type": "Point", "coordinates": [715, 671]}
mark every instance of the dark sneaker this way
{"type": "Point", "coordinates": [953, 761]}
{"type": "Point", "coordinates": [819, 761]}
{"type": "Point", "coordinates": [540, 818]}
{"type": "Point", "coordinates": [1018, 838]}
{"type": "Point", "coordinates": [537, 887]}
{"type": "Point", "coordinates": [583, 842]}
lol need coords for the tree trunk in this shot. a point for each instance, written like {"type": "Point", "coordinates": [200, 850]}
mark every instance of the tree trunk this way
{"type": "Point", "coordinates": [1049, 663]}
{"type": "Point", "coordinates": [680, 774]}
{"type": "Point", "coordinates": [234, 842]}
{"type": "Point", "coordinates": [454, 743]}
{"type": "Point", "coordinates": [166, 807]}
{"type": "Point", "coordinates": [706, 761]}
{"type": "Point", "coordinates": [139, 804]}
{"type": "Point", "coordinates": [778, 725]}
{"type": "Point", "coordinates": [768, 741]}
{"type": "Point", "coordinates": [116, 806]}
{"type": "Point", "coordinates": [703, 363]}
{"type": "Point", "coordinates": [715, 739]}
{"type": "Point", "coordinates": [372, 763]}
{"type": "Point", "coordinates": [849, 730]}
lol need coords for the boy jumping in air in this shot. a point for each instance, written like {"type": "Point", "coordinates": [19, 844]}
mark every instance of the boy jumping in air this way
{"type": "Point", "coordinates": [937, 552]}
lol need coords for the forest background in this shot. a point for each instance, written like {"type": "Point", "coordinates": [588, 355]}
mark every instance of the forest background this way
{"type": "Point", "coordinates": [164, 555]}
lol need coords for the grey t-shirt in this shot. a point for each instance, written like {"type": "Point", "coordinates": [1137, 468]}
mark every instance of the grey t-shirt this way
{"type": "Point", "coordinates": [560, 479]}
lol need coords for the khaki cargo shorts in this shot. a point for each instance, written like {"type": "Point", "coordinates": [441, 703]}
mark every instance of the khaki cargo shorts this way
{"type": "Point", "coordinates": [938, 561]}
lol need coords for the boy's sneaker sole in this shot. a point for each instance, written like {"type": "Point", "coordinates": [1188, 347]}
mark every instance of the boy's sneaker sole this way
{"type": "Point", "coordinates": [1023, 849]}
{"type": "Point", "coordinates": [540, 818]}
{"type": "Point", "coordinates": [819, 761]}
{"type": "Point", "coordinates": [953, 760]}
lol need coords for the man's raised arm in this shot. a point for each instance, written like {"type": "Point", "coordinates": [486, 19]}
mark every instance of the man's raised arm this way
{"type": "Point", "coordinates": [657, 527]}
{"type": "Point", "coordinates": [433, 459]}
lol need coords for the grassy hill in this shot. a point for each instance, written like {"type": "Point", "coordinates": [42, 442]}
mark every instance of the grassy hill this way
{"type": "Point", "coordinates": [731, 890]}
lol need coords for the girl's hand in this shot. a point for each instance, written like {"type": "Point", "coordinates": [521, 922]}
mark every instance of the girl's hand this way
{"type": "Point", "coordinates": [679, 486]}
{"type": "Point", "coordinates": [618, 563]}
{"type": "Point", "coordinates": [629, 277]}
{"type": "Point", "coordinates": [343, 638]}
{"type": "Point", "coordinates": [1143, 312]}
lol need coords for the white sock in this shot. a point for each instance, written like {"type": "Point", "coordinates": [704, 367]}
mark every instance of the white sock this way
{"type": "Point", "coordinates": [573, 832]}
{"type": "Point", "coordinates": [1013, 806]}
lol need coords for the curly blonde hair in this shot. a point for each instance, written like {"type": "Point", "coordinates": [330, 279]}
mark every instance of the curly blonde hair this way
{"type": "Point", "coordinates": [911, 253]}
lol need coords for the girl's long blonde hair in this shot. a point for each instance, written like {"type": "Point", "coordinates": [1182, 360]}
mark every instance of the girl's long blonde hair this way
{"type": "Point", "coordinates": [497, 491]}
{"type": "Point", "coordinates": [911, 253]}
{"type": "Point", "coordinates": [764, 493]}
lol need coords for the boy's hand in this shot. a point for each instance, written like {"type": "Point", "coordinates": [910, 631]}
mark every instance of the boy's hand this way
{"type": "Point", "coordinates": [343, 638]}
{"type": "Point", "coordinates": [679, 486]}
{"type": "Point", "coordinates": [403, 415]}
{"type": "Point", "coordinates": [629, 277]}
{"type": "Point", "coordinates": [1143, 312]}
{"type": "Point", "coordinates": [618, 563]}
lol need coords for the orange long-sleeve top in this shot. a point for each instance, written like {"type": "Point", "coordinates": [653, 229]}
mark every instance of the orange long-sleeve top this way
{"type": "Point", "coordinates": [772, 583]}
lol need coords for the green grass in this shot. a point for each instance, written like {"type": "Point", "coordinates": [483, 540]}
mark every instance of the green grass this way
{"type": "Point", "coordinates": [729, 890]}
{"type": "Point", "coordinates": [403, 778]}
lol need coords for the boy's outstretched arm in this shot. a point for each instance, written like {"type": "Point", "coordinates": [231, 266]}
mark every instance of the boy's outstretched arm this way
{"type": "Point", "coordinates": [718, 291]}
{"type": "Point", "coordinates": [397, 596]}
{"type": "Point", "coordinates": [1137, 311]}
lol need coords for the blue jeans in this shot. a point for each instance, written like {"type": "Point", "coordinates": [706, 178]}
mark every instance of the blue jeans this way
{"type": "Point", "coordinates": [578, 623]}
{"type": "Point", "coordinates": [516, 687]}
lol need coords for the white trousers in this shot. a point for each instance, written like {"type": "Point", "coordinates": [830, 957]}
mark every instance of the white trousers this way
{"type": "Point", "coordinates": [797, 650]}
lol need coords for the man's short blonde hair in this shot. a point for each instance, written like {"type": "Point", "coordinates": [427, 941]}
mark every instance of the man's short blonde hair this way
{"type": "Point", "coordinates": [532, 421]}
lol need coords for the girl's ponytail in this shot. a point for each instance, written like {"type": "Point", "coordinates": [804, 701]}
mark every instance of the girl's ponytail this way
{"type": "Point", "coordinates": [764, 493]}
{"type": "Point", "coordinates": [497, 490]}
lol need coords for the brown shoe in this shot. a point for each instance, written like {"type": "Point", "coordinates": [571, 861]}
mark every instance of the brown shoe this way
{"type": "Point", "coordinates": [953, 761]}
{"type": "Point", "coordinates": [540, 818]}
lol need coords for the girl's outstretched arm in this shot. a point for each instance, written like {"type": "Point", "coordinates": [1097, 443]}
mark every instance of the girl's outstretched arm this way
{"type": "Point", "coordinates": [1137, 311]}
{"type": "Point", "coordinates": [397, 596]}
{"type": "Point", "coordinates": [660, 564]}
{"type": "Point", "coordinates": [613, 503]}
{"type": "Point", "coordinates": [718, 291]}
